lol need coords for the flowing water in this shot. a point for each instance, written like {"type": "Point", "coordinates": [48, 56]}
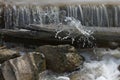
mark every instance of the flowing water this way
{"type": "Point", "coordinates": [101, 64]}
{"type": "Point", "coordinates": [102, 15]}
{"type": "Point", "coordinates": [106, 68]}
{"type": "Point", "coordinates": [74, 25]}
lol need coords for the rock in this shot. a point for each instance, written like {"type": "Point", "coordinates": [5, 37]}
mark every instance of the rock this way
{"type": "Point", "coordinates": [113, 45]}
{"type": "Point", "coordinates": [6, 54]}
{"type": "Point", "coordinates": [61, 58]}
{"type": "Point", "coordinates": [81, 76]}
{"type": "Point", "coordinates": [119, 67]}
{"type": "Point", "coordinates": [75, 76]}
{"type": "Point", "coordinates": [1, 75]}
{"type": "Point", "coordinates": [47, 75]}
{"type": "Point", "coordinates": [26, 67]}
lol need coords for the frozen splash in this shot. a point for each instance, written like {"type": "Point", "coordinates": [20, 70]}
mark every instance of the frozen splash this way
{"type": "Point", "coordinates": [72, 22]}
{"type": "Point", "coordinates": [73, 25]}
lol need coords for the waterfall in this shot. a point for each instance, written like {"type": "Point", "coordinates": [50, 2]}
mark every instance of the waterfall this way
{"type": "Point", "coordinates": [31, 14]}
{"type": "Point", "coordinates": [101, 15]}
{"type": "Point", "coordinates": [99, 65]}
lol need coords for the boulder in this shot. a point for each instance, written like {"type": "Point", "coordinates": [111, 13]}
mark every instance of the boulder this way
{"type": "Point", "coordinates": [61, 58]}
{"type": "Point", "coordinates": [26, 67]}
{"type": "Point", "coordinates": [6, 54]}
{"type": "Point", "coordinates": [119, 67]}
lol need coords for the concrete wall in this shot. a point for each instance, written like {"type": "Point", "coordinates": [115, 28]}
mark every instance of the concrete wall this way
{"type": "Point", "coordinates": [42, 2]}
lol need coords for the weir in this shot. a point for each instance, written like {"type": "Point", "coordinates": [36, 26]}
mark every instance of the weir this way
{"type": "Point", "coordinates": [87, 26]}
{"type": "Point", "coordinates": [100, 15]}
{"type": "Point", "coordinates": [79, 16]}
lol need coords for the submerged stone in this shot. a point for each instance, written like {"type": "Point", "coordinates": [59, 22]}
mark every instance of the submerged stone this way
{"type": "Point", "coordinates": [61, 58]}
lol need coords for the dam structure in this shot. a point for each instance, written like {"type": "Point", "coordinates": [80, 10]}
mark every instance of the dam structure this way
{"type": "Point", "coordinates": [89, 14]}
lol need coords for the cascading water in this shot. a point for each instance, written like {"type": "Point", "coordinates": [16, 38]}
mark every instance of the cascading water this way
{"type": "Point", "coordinates": [27, 15]}
{"type": "Point", "coordinates": [90, 15]}
{"type": "Point", "coordinates": [73, 25]}
{"type": "Point", "coordinates": [106, 68]}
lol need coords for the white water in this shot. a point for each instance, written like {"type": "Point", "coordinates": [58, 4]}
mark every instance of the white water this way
{"type": "Point", "coordinates": [72, 25]}
{"type": "Point", "coordinates": [76, 24]}
{"type": "Point", "coordinates": [104, 69]}
{"type": "Point", "coordinates": [101, 15]}
{"type": "Point", "coordinates": [101, 64]}
{"type": "Point", "coordinates": [101, 70]}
